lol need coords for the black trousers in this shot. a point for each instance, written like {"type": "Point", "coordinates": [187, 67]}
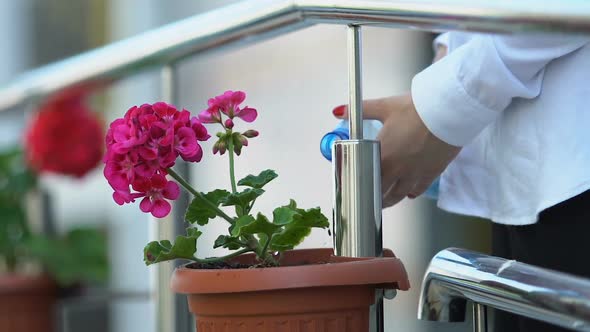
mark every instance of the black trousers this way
{"type": "Point", "coordinates": [560, 241]}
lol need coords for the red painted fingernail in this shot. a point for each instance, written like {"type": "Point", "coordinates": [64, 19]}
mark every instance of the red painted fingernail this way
{"type": "Point", "coordinates": [411, 196]}
{"type": "Point", "coordinates": [339, 111]}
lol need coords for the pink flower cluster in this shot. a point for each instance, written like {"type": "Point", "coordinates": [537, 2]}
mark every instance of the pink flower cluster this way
{"type": "Point", "coordinates": [142, 146]}
{"type": "Point", "coordinates": [229, 104]}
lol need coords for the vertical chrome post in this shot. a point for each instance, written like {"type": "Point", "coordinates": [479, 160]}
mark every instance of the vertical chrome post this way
{"type": "Point", "coordinates": [480, 318]}
{"type": "Point", "coordinates": [171, 309]}
{"type": "Point", "coordinates": [355, 92]}
{"type": "Point", "coordinates": [357, 181]}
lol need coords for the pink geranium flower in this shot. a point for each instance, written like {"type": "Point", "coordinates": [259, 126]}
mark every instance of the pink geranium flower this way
{"type": "Point", "coordinates": [120, 169]}
{"type": "Point", "coordinates": [213, 113]}
{"type": "Point", "coordinates": [145, 143]}
{"type": "Point", "coordinates": [229, 104]}
{"type": "Point", "coordinates": [247, 114]}
{"type": "Point", "coordinates": [122, 196]}
{"type": "Point", "coordinates": [185, 142]}
{"type": "Point", "coordinates": [200, 130]}
{"type": "Point", "coordinates": [142, 145]}
{"type": "Point", "coordinates": [155, 191]}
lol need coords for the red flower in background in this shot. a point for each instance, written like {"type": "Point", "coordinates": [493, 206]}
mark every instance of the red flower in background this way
{"type": "Point", "coordinates": [64, 137]}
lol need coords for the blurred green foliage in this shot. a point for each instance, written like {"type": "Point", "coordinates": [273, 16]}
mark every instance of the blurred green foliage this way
{"type": "Point", "coordinates": [79, 256]}
{"type": "Point", "coordinates": [15, 182]}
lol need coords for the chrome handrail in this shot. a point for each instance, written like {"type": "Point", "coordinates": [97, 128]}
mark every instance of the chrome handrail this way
{"type": "Point", "coordinates": [255, 20]}
{"type": "Point", "coordinates": [457, 275]}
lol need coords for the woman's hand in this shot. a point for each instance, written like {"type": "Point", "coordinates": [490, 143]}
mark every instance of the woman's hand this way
{"type": "Point", "coordinates": [411, 156]}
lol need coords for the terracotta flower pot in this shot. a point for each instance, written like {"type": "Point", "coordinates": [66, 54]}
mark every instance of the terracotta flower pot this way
{"type": "Point", "coordinates": [311, 291]}
{"type": "Point", "coordinates": [27, 303]}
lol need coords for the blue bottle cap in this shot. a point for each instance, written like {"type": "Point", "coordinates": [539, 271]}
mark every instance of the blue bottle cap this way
{"type": "Point", "coordinates": [329, 139]}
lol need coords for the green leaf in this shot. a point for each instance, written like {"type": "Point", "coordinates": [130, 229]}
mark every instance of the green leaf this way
{"type": "Point", "coordinates": [16, 179]}
{"type": "Point", "coordinates": [259, 180]}
{"type": "Point", "coordinates": [184, 247]}
{"type": "Point", "coordinates": [289, 238]}
{"type": "Point", "coordinates": [242, 199]}
{"type": "Point", "coordinates": [311, 218]}
{"type": "Point", "coordinates": [248, 225]}
{"type": "Point", "coordinates": [300, 226]}
{"type": "Point", "coordinates": [200, 212]}
{"type": "Point", "coordinates": [79, 256]}
{"type": "Point", "coordinates": [284, 215]}
{"type": "Point", "coordinates": [229, 242]}
{"type": "Point", "coordinates": [193, 232]}
{"type": "Point", "coordinates": [13, 230]}
{"type": "Point", "coordinates": [236, 229]}
{"type": "Point", "coordinates": [292, 204]}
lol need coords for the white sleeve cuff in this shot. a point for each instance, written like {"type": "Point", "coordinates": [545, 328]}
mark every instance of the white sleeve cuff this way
{"type": "Point", "coordinates": [445, 107]}
{"type": "Point", "coordinates": [441, 40]}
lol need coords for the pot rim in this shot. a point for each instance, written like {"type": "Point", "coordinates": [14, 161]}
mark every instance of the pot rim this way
{"type": "Point", "coordinates": [377, 272]}
{"type": "Point", "coordinates": [15, 283]}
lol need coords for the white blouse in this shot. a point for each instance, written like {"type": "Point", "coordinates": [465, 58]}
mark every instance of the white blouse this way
{"type": "Point", "coordinates": [520, 107]}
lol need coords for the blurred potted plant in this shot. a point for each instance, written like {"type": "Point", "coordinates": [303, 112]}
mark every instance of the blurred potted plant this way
{"type": "Point", "coordinates": [53, 143]}
{"type": "Point", "coordinates": [263, 283]}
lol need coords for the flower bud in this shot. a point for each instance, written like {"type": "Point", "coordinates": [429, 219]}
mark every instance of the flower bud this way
{"type": "Point", "coordinates": [229, 124]}
{"type": "Point", "coordinates": [220, 147]}
{"type": "Point", "coordinates": [239, 141]}
{"type": "Point", "coordinates": [251, 133]}
{"type": "Point", "coordinates": [242, 139]}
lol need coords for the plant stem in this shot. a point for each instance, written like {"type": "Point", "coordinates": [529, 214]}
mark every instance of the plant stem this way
{"type": "Point", "coordinates": [220, 259]}
{"type": "Point", "coordinates": [232, 173]}
{"type": "Point", "coordinates": [232, 176]}
{"type": "Point", "coordinates": [250, 206]}
{"type": "Point", "coordinates": [234, 188]}
{"type": "Point", "coordinates": [10, 261]}
{"type": "Point", "coordinates": [195, 193]}
{"type": "Point", "coordinates": [263, 253]}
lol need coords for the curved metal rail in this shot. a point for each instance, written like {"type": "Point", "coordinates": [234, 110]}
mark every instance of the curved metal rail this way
{"type": "Point", "coordinates": [457, 275]}
{"type": "Point", "coordinates": [255, 20]}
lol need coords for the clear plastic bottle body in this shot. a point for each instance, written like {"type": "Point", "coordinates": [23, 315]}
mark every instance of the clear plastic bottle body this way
{"type": "Point", "coordinates": [371, 129]}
